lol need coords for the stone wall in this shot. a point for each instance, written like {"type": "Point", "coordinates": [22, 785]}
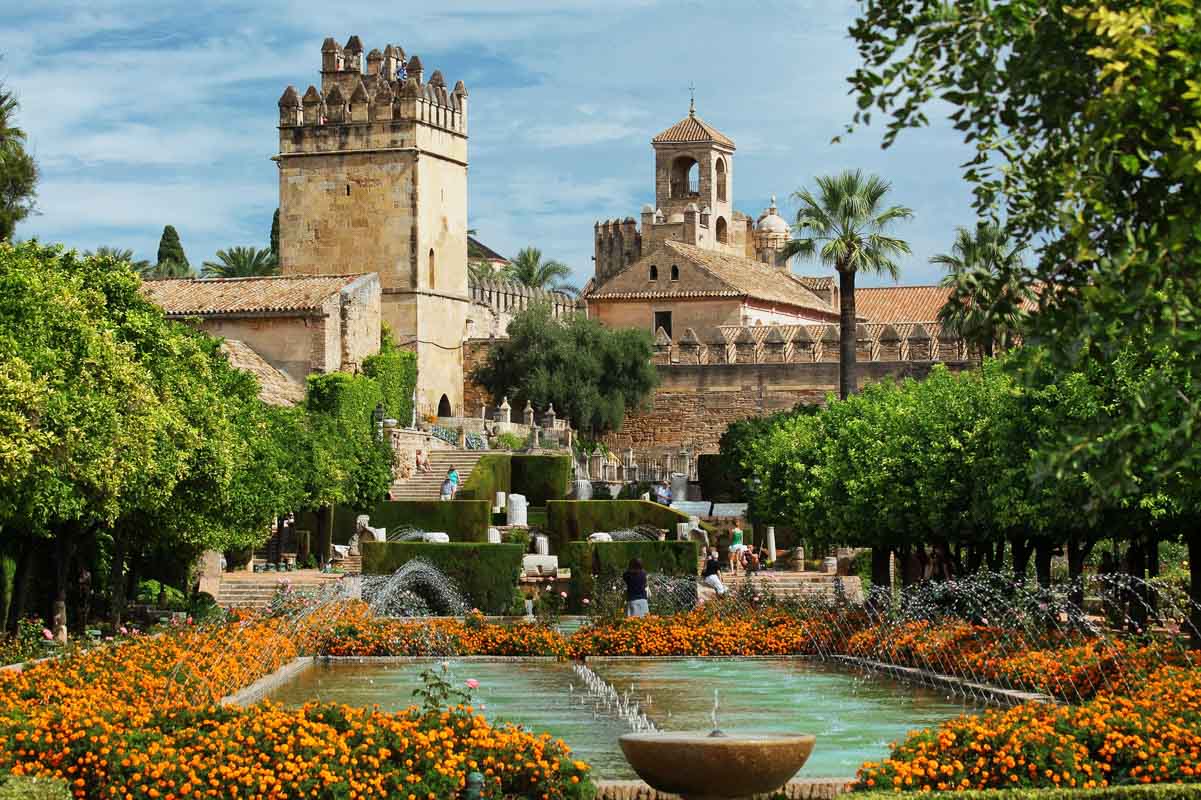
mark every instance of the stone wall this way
{"type": "Point", "coordinates": [694, 403]}
{"type": "Point", "coordinates": [360, 312]}
{"type": "Point", "coordinates": [475, 353]}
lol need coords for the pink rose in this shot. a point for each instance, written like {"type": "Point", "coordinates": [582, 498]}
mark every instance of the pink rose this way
{"type": "Point", "coordinates": [562, 594]}
{"type": "Point", "coordinates": [46, 634]}
{"type": "Point", "coordinates": [124, 630]}
{"type": "Point", "coordinates": [472, 683]}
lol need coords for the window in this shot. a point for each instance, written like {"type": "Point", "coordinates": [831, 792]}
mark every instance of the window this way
{"type": "Point", "coordinates": [685, 177]}
{"type": "Point", "coordinates": [663, 320]}
{"type": "Point", "coordinates": [654, 273]}
{"type": "Point", "coordinates": [675, 272]}
{"type": "Point", "coordinates": [722, 235]}
{"type": "Point", "coordinates": [721, 179]}
{"type": "Point", "coordinates": [431, 268]}
{"type": "Point", "coordinates": [348, 190]}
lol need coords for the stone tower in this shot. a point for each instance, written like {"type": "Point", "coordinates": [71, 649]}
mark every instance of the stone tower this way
{"type": "Point", "coordinates": [771, 235]}
{"type": "Point", "coordinates": [373, 178]}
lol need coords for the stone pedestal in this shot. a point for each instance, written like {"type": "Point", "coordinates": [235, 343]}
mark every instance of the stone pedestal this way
{"type": "Point", "coordinates": [679, 486]}
{"type": "Point", "coordinates": [771, 543]}
{"type": "Point", "coordinates": [541, 545]}
{"type": "Point", "coordinates": [500, 501]}
{"type": "Point", "coordinates": [210, 572]}
{"type": "Point", "coordinates": [517, 510]}
{"type": "Point", "coordinates": [583, 490]}
{"type": "Point", "coordinates": [493, 536]}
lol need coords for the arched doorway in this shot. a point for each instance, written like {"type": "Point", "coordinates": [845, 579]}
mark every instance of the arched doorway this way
{"type": "Point", "coordinates": [722, 233]}
{"type": "Point", "coordinates": [444, 409]}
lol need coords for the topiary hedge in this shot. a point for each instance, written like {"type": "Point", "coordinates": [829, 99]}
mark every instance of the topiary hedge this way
{"type": "Point", "coordinates": [1151, 791]}
{"type": "Point", "coordinates": [590, 560]}
{"type": "Point", "coordinates": [574, 520]}
{"type": "Point", "coordinates": [486, 573]}
{"type": "Point", "coordinates": [492, 474]}
{"type": "Point", "coordinates": [541, 478]}
{"type": "Point", "coordinates": [463, 520]}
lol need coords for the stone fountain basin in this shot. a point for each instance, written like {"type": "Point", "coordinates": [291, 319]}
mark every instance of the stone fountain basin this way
{"type": "Point", "coordinates": [699, 766]}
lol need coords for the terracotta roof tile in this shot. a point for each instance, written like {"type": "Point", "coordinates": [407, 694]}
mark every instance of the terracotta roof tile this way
{"type": "Point", "coordinates": [692, 129]}
{"type": "Point", "coordinates": [713, 274]}
{"type": "Point", "coordinates": [215, 296]}
{"type": "Point", "coordinates": [900, 303]}
{"type": "Point", "coordinates": [818, 283]}
{"type": "Point", "coordinates": [275, 387]}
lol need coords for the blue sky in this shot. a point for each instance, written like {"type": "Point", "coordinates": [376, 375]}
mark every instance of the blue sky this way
{"type": "Point", "coordinates": [147, 113]}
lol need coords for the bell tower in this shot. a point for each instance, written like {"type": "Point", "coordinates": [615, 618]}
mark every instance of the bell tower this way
{"type": "Point", "coordinates": [694, 173]}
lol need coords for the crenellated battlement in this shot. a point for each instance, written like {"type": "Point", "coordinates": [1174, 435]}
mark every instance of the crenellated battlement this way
{"type": "Point", "coordinates": [618, 243]}
{"type": "Point", "coordinates": [356, 109]}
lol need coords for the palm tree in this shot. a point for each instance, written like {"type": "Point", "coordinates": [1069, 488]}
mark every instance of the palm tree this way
{"type": "Point", "coordinates": [165, 270]}
{"type": "Point", "coordinates": [120, 254]}
{"type": "Point", "coordinates": [529, 269]}
{"type": "Point", "coordinates": [479, 271]}
{"type": "Point", "coordinates": [987, 297]}
{"type": "Point", "coordinates": [844, 227]}
{"type": "Point", "coordinates": [242, 262]}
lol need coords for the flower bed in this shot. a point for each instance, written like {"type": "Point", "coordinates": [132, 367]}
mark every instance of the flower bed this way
{"type": "Point", "coordinates": [357, 633]}
{"type": "Point", "coordinates": [140, 720]}
{"type": "Point", "coordinates": [1152, 735]}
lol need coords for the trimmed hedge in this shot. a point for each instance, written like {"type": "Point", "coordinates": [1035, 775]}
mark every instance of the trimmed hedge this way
{"type": "Point", "coordinates": [463, 520]}
{"type": "Point", "coordinates": [15, 787]}
{"type": "Point", "coordinates": [541, 478]}
{"type": "Point", "coordinates": [718, 482]}
{"type": "Point", "coordinates": [486, 573]}
{"type": "Point", "coordinates": [588, 560]}
{"type": "Point", "coordinates": [574, 520]}
{"type": "Point", "coordinates": [492, 474]}
{"type": "Point", "coordinates": [1149, 791]}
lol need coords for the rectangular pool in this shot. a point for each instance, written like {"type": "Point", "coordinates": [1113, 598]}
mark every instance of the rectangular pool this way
{"type": "Point", "coordinates": [853, 718]}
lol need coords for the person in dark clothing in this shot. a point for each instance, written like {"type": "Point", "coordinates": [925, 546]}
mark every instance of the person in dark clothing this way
{"type": "Point", "coordinates": [709, 576]}
{"type": "Point", "coordinates": [637, 604]}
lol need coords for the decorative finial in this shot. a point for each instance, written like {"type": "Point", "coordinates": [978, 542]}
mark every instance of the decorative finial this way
{"type": "Point", "coordinates": [691, 100]}
{"type": "Point", "coordinates": [773, 201]}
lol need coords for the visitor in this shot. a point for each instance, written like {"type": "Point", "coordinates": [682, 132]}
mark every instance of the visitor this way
{"type": "Point", "coordinates": [710, 576]}
{"type": "Point", "coordinates": [637, 604]}
{"type": "Point", "coordinates": [750, 560]}
{"type": "Point", "coordinates": [736, 548]}
{"type": "Point", "coordinates": [423, 462]}
{"type": "Point", "coordinates": [453, 475]}
{"type": "Point", "coordinates": [447, 491]}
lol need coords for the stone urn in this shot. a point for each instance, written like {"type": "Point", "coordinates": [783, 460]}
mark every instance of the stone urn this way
{"type": "Point", "coordinates": [716, 766]}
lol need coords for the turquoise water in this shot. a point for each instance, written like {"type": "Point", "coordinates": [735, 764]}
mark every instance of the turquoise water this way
{"type": "Point", "coordinates": [854, 719]}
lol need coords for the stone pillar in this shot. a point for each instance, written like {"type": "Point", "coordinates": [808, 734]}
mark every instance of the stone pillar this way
{"type": "Point", "coordinates": [548, 421]}
{"type": "Point", "coordinates": [483, 411]}
{"type": "Point", "coordinates": [771, 543]}
{"type": "Point", "coordinates": [527, 416]}
{"type": "Point", "coordinates": [462, 438]}
{"type": "Point", "coordinates": [595, 465]}
{"type": "Point", "coordinates": [505, 414]}
{"type": "Point", "coordinates": [210, 572]}
{"type": "Point", "coordinates": [535, 438]}
{"type": "Point", "coordinates": [516, 510]}
{"type": "Point", "coordinates": [493, 535]}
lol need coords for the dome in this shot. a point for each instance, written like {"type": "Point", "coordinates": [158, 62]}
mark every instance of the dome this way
{"type": "Point", "coordinates": [771, 222]}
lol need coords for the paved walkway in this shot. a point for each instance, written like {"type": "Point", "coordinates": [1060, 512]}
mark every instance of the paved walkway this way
{"type": "Point", "coordinates": [800, 789]}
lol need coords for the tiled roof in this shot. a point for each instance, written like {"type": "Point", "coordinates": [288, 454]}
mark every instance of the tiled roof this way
{"type": "Point", "coordinates": [818, 283]}
{"type": "Point", "coordinates": [708, 273]}
{"type": "Point", "coordinates": [900, 303]}
{"type": "Point", "coordinates": [692, 129]}
{"type": "Point", "coordinates": [214, 296]}
{"type": "Point", "coordinates": [275, 388]}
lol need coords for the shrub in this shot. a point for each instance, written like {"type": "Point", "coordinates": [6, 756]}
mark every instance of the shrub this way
{"type": "Point", "coordinates": [486, 573]}
{"type": "Point", "coordinates": [395, 373]}
{"type": "Point", "coordinates": [720, 483]}
{"type": "Point", "coordinates": [575, 520]}
{"type": "Point", "coordinates": [463, 520]}
{"type": "Point", "coordinates": [508, 441]}
{"type": "Point", "coordinates": [492, 474]}
{"type": "Point", "coordinates": [22, 788]}
{"type": "Point", "coordinates": [541, 478]}
{"type": "Point", "coordinates": [603, 561]}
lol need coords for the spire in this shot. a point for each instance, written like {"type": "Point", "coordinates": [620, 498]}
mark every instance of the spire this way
{"type": "Point", "coordinates": [691, 100]}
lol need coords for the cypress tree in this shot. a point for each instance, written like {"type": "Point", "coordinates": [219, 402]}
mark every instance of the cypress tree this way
{"type": "Point", "coordinates": [275, 235]}
{"type": "Point", "coordinates": [170, 250]}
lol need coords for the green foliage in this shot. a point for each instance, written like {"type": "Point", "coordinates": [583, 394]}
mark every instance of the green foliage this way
{"type": "Point", "coordinates": [1085, 118]}
{"type": "Point", "coordinates": [508, 441]}
{"type": "Point", "coordinates": [844, 226]}
{"type": "Point", "coordinates": [241, 262]}
{"type": "Point", "coordinates": [394, 371]}
{"type": "Point", "coordinates": [541, 478]}
{"type": "Point", "coordinates": [351, 465]}
{"type": "Point", "coordinates": [986, 306]}
{"type": "Point", "coordinates": [18, 172]}
{"type": "Point", "coordinates": [486, 573]}
{"type": "Point", "coordinates": [462, 520]}
{"type": "Point", "coordinates": [593, 562]}
{"type": "Point", "coordinates": [15, 787]}
{"type": "Point", "coordinates": [528, 269]}
{"type": "Point", "coordinates": [592, 374]}
{"type": "Point", "coordinates": [170, 250]}
{"type": "Point", "coordinates": [274, 245]}
{"type": "Point", "coordinates": [437, 692]}
{"type": "Point", "coordinates": [574, 520]}
{"type": "Point", "coordinates": [719, 482]}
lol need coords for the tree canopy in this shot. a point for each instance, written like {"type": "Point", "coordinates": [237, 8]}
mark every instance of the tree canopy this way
{"type": "Point", "coordinates": [592, 374]}
{"type": "Point", "coordinates": [530, 269]}
{"type": "Point", "coordinates": [171, 262]}
{"type": "Point", "coordinates": [18, 172]}
{"type": "Point", "coordinates": [242, 262]}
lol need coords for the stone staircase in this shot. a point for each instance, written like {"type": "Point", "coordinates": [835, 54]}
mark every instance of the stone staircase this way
{"type": "Point", "coordinates": [255, 589]}
{"type": "Point", "coordinates": [428, 485]}
{"type": "Point", "coordinates": [795, 584]}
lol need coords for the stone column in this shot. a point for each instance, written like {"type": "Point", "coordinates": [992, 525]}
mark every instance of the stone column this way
{"type": "Point", "coordinates": [506, 411]}
{"type": "Point", "coordinates": [527, 416]}
{"type": "Point", "coordinates": [771, 543]}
